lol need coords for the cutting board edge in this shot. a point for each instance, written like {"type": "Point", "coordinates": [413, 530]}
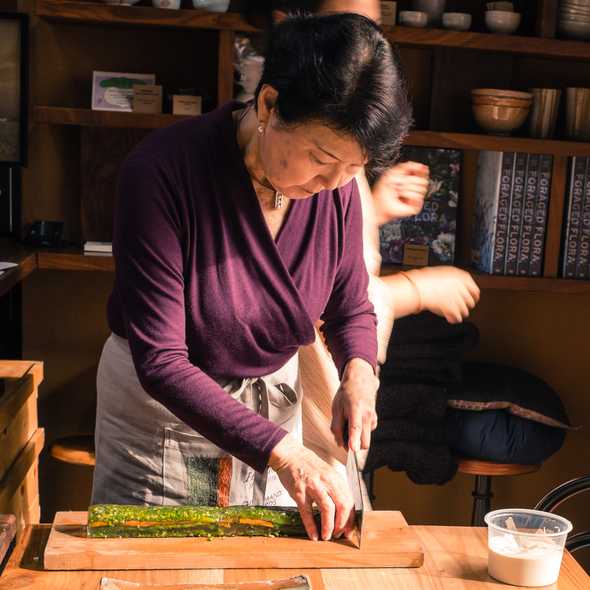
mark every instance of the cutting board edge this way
{"type": "Point", "coordinates": [55, 560]}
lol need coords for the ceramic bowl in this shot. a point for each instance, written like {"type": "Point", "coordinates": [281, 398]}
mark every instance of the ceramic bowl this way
{"type": "Point", "coordinates": [502, 21]}
{"type": "Point", "coordinates": [212, 5]}
{"type": "Point", "coordinates": [574, 30]}
{"type": "Point", "coordinates": [499, 119]}
{"type": "Point", "coordinates": [432, 8]}
{"type": "Point", "coordinates": [413, 18]}
{"type": "Point", "coordinates": [501, 102]}
{"type": "Point", "coordinates": [501, 93]}
{"type": "Point", "coordinates": [169, 4]}
{"type": "Point", "coordinates": [581, 3]}
{"type": "Point", "coordinates": [456, 21]}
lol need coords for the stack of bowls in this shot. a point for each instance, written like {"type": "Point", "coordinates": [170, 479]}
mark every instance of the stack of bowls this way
{"type": "Point", "coordinates": [500, 111]}
{"type": "Point", "coordinates": [574, 19]}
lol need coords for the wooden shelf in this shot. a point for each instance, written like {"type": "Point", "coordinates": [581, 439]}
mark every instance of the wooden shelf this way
{"type": "Point", "coordinates": [460, 141]}
{"type": "Point", "coordinates": [511, 283]}
{"type": "Point", "coordinates": [144, 16]}
{"type": "Point", "coordinates": [90, 118]}
{"type": "Point", "coordinates": [11, 251]}
{"type": "Point", "coordinates": [73, 259]}
{"type": "Point", "coordinates": [472, 141]}
{"type": "Point", "coordinates": [516, 44]}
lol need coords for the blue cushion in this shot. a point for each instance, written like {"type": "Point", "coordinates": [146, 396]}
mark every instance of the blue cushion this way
{"type": "Point", "coordinates": [497, 435]}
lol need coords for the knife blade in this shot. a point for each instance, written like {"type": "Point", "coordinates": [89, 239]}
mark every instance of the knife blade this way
{"type": "Point", "coordinates": [354, 479]}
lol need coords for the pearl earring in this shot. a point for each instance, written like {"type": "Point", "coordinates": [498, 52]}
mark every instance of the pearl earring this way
{"type": "Point", "coordinates": [260, 129]}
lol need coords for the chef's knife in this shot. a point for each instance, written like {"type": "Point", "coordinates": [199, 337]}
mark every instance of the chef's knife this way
{"type": "Point", "coordinates": [354, 478]}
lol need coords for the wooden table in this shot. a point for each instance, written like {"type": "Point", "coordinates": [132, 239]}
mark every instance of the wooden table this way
{"type": "Point", "coordinates": [456, 558]}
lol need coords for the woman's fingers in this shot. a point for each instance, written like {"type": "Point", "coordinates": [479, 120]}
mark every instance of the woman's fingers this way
{"type": "Point", "coordinates": [343, 505]}
{"type": "Point", "coordinates": [337, 426]}
{"type": "Point", "coordinates": [306, 512]}
{"type": "Point", "coordinates": [327, 512]}
{"type": "Point", "coordinates": [355, 429]}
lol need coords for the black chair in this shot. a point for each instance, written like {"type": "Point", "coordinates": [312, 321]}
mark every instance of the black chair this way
{"type": "Point", "coordinates": [561, 494]}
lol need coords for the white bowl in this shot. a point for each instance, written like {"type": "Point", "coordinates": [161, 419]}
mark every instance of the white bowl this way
{"type": "Point", "coordinates": [169, 4]}
{"type": "Point", "coordinates": [574, 30]}
{"type": "Point", "coordinates": [456, 21]}
{"type": "Point", "coordinates": [582, 3]}
{"type": "Point", "coordinates": [413, 18]}
{"type": "Point", "coordinates": [212, 5]}
{"type": "Point", "coordinates": [121, 2]}
{"type": "Point", "coordinates": [502, 21]}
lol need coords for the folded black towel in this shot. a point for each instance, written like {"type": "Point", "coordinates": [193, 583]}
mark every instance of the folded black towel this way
{"type": "Point", "coordinates": [400, 429]}
{"type": "Point", "coordinates": [420, 402]}
{"type": "Point", "coordinates": [423, 463]}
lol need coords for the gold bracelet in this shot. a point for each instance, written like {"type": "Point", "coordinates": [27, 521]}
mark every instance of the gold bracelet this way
{"type": "Point", "coordinates": [420, 305]}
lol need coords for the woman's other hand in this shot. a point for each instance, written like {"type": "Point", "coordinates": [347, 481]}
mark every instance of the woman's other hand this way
{"type": "Point", "coordinates": [400, 191]}
{"type": "Point", "coordinates": [444, 290]}
{"type": "Point", "coordinates": [353, 407]}
{"type": "Point", "coordinates": [308, 480]}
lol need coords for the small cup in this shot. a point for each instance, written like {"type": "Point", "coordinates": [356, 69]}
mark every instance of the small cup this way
{"type": "Point", "coordinates": [413, 18]}
{"type": "Point", "coordinates": [432, 8]}
{"type": "Point", "coordinates": [525, 547]}
{"type": "Point", "coordinates": [212, 5]}
{"type": "Point", "coordinates": [577, 113]}
{"type": "Point", "coordinates": [544, 112]}
{"type": "Point", "coordinates": [502, 21]}
{"type": "Point", "coordinates": [456, 21]}
{"type": "Point", "coordinates": [170, 4]}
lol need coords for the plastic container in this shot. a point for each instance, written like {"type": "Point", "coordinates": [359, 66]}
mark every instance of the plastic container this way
{"type": "Point", "coordinates": [525, 547]}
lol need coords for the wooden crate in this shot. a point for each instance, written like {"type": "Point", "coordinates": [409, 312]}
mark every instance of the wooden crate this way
{"type": "Point", "coordinates": [21, 441]}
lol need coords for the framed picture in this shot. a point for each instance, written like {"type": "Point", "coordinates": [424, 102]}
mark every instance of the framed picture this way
{"type": "Point", "coordinates": [13, 88]}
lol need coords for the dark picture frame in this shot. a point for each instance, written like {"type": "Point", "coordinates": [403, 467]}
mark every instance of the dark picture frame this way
{"type": "Point", "coordinates": [14, 88]}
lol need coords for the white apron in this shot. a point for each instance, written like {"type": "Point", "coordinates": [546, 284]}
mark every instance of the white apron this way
{"type": "Point", "coordinates": [146, 455]}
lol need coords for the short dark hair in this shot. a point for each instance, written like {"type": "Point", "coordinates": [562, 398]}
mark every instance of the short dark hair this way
{"type": "Point", "coordinates": [340, 70]}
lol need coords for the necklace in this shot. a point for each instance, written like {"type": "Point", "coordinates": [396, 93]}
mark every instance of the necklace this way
{"type": "Point", "coordinates": [279, 198]}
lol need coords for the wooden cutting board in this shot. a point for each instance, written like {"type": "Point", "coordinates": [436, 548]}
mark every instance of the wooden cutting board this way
{"type": "Point", "coordinates": [387, 541]}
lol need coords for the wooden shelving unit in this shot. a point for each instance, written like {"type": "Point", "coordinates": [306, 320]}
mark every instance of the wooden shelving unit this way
{"type": "Point", "coordinates": [73, 259]}
{"type": "Point", "coordinates": [90, 118]}
{"type": "Point", "coordinates": [460, 141]}
{"type": "Point", "coordinates": [98, 13]}
{"type": "Point", "coordinates": [228, 24]}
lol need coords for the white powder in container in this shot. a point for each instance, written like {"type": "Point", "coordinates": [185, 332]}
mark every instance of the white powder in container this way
{"type": "Point", "coordinates": [529, 561]}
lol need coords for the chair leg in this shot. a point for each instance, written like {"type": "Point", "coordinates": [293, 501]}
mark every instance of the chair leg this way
{"type": "Point", "coordinates": [482, 499]}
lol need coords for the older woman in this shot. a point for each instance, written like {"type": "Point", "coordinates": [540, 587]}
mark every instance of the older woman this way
{"type": "Point", "coordinates": [234, 233]}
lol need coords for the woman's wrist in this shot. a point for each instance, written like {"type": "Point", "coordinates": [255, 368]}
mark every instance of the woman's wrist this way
{"type": "Point", "coordinates": [283, 451]}
{"type": "Point", "coordinates": [410, 279]}
{"type": "Point", "coordinates": [357, 365]}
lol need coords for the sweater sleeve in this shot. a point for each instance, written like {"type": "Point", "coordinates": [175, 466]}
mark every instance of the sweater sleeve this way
{"type": "Point", "coordinates": [147, 246]}
{"type": "Point", "coordinates": [350, 324]}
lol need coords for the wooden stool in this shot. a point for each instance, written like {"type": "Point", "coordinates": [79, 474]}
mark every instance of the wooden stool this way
{"type": "Point", "coordinates": [484, 471]}
{"type": "Point", "coordinates": [78, 450]}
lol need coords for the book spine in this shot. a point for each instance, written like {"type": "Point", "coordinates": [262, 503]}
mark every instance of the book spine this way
{"type": "Point", "coordinates": [487, 187]}
{"type": "Point", "coordinates": [583, 258]}
{"type": "Point", "coordinates": [541, 212]}
{"type": "Point", "coordinates": [572, 236]}
{"type": "Point", "coordinates": [503, 215]}
{"type": "Point", "coordinates": [516, 208]}
{"type": "Point", "coordinates": [528, 215]}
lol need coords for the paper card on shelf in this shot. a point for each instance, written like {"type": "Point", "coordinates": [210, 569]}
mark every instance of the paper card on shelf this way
{"type": "Point", "coordinates": [186, 104]}
{"type": "Point", "coordinates": [147, 98]}
{"type": "Point", "coordinates": [113, 91]}
{"type": "Point", "coordinates": [415, 255]}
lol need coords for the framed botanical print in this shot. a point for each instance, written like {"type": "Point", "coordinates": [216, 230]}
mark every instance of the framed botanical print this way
{"type": "Point", "coordinates": [13, 88]}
